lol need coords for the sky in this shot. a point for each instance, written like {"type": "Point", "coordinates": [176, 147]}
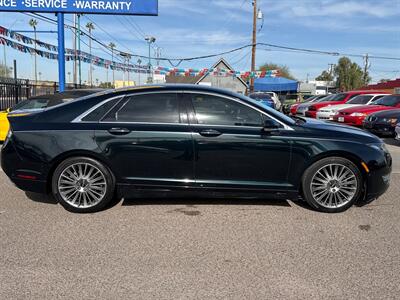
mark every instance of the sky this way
{"type": "Point", "coordinates": [200, 27]}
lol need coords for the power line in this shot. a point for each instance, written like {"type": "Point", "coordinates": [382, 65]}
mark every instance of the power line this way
{"type": "Point", "coordinates": [180, 60]}
{"type": "Point", "coordinates": [108, 34]}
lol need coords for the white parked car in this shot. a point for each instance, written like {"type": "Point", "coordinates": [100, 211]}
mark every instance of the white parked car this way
{"type": "Point", "coordinates": [327, 112]}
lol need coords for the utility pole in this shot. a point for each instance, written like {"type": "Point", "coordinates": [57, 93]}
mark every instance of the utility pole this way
{"type": "Point", "coordinates": [366, 68]}
{"type": "Point", "coordinates": [254, 46]}
{"type": "Point", "coordinates": [139, 61]}
{"type": "Point", "coordinates": [331, 69]}
{"type": "Point", "coordinates": [158, 55]}
{"type": "Point", "coordinates": [33, 23]}
{"type": "Point", "coordinates": [90, 27]}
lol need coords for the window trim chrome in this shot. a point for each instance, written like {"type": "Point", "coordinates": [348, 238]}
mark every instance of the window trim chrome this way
{"type": "Point", "coordinates": [79, 118]}
{"type": "Point", "coordinates": [83, 115]}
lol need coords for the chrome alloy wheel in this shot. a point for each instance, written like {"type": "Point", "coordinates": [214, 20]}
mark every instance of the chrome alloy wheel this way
{"type": "Point", "coordinates": [334, 186]}
{"type": "Point", "coordinates": [82, 185]}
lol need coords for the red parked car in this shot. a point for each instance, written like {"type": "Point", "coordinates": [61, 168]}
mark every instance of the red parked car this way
{"type": "Point", "coordinates": [355, 116]}
{"type": "Point", "coordinates": [341, 98]}
{"type": "Point", "coordinates": [293, 108]}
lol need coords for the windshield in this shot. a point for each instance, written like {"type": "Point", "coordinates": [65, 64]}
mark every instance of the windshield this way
{"type": "Point", "coordinates": [391, 100]}
{"type": "Point", "coordinates": [260, 97]}
{"type": "Point", "coordinates": [338, 97]}
{"type": "Point", "coordinates": [327, 98]}
{"type": "Point", "coordinates": [361, 99]}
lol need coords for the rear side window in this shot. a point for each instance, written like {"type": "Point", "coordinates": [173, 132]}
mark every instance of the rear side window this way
{"type": "Point", "coordinates": [149, 108]}
{"type": "Point", "coordinates": [99, 112]}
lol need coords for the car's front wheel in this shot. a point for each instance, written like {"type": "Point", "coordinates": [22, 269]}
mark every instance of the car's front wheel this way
{"type": "Point", "coordinates": [332, 184]}
{"type": "Point", "coordinates": [83, 185]}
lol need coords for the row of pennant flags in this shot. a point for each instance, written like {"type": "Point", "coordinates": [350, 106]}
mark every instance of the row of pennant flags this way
{"type": "Point", "coordinates": [220, 72]}
{"type": "Point", "coordinates": [72, 55]}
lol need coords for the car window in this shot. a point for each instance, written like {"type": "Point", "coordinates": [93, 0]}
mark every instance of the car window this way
{"type": "Point", "coordinates": [377, 98]}
{"type": "Point", "coordinates": [214, 110]}
{"type": "Point", "coordinates": [391, 100]}
{"type": "Point", "coordinates": [99, 112]}
{"type": "Point", "coordinates": [360, 99]}
{"type": "Point", "coordinates": [148, 108]}
{"type": "Point", "coordinates": [31, 104]}
{"type": "Point", "coordinates": [339, 97]}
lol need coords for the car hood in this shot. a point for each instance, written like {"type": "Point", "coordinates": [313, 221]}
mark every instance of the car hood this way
{"type": "Point", "coordinates": [339, 131]}
{"type": "Point", "coordinates": [339, 107]}
{"type": "Point", "coordinates": [305, 105]}
{"type": "Point", "coordinates": [392, 113]}
{"type": "Point", "coordinates": [366, 109]}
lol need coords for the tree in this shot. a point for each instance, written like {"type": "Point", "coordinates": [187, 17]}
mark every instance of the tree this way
{"type": "Point", "coordinates": [90, 27]}
{"type": "Point", "coordinates": [325, 76]}
{"type": "Point", "coordinates": [350, 76]}
{"type": "Point", "coordinates": [283, 70]}
{"type": "Point", "coordinates": [383, 80]}
{"type": "Point", "coordinates": [4, 71]}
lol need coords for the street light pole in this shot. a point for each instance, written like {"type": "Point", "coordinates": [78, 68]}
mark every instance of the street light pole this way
{"type": "Point", "coordinates": [254, 45]}
{"type": "Point", "coordinates": [79, 51]}
{"type": "Point", "coordinates": [90, 27]}
{"type": "Point", "coordinates": [75, 53]}
{"type": "Point", "coordinates": [150, 40]}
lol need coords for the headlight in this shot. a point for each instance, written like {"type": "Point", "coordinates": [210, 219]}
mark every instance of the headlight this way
{"type": "Point", "coordinates": [357, 114]}
{"type": "Point", "coordinates": [393, 121]}
{"type": "Point", "coordinates": [380, 146]}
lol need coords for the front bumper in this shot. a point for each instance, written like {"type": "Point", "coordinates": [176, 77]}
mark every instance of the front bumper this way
{"type": "Point", "coordinates": [349, 120]}
{"type": "Point", "coordinates": [379, 128]}
{"type": "Point", "coordinates": [325, 115]}
{"type": "Point", "coordinates": [311, 114]}
{"type": "Point", "coordinates": [379, 178]}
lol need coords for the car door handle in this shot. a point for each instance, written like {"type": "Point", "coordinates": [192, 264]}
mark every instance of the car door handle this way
{"type": "Point", "coordinates": [119, 131]}
{"type": "Point", "coordinates": [210, 133]}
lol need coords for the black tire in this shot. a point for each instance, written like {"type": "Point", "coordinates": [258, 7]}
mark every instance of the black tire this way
{"type": "Point", "coordinates": [312, 171]}
{"type": "Point", "coordinates": [108, 193]}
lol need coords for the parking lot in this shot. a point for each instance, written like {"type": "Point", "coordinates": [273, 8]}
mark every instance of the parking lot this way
{"type": "Point", "coordinates": [179, 249]}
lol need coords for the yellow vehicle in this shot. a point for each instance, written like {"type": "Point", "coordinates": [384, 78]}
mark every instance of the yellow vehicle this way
{"type": "Point", "coordinates": [40, 102]}
{"type": "Point", "coordinates": [4, 125]}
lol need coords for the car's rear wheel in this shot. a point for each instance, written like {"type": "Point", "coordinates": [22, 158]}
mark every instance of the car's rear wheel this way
{"type": "Point", "coordinates": [83, 185]}
{"type": "Point", "coordinates": [332, 185]}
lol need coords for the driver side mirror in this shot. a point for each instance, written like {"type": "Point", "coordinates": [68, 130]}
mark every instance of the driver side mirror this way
{"type": "Point", "coordinates": [271, 126]}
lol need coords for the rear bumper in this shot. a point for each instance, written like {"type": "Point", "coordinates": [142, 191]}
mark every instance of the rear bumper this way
{"type": "Point", "coordinates": [25, 175]}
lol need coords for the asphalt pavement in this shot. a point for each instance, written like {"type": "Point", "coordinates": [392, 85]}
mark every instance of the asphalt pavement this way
{"type": "Point", "coordinates": [199, 249]}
